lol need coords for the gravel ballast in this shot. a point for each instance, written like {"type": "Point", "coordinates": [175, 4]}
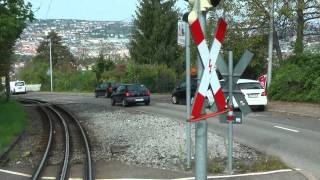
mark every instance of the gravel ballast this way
{"type": "Point", "coordinates": [148, 140]}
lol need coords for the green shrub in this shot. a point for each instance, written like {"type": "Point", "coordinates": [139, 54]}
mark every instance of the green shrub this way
{"type": "Point", "coordinates": [76, 81]}
{"type": "Point", "coordinates": [298, 79]}
{"type": "Point", "coordinates": [158, 78]}
{"type": "Point", "coordinates": [13, 121]}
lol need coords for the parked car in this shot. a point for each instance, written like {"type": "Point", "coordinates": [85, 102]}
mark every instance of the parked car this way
{"type": "Point", "coordinates": [18, 87]}
{"type": "Point", "coordinates": [111, 87]}
{"type": "Point", "coordinates": [105, 89]}
{"type": "Point", "coordinates": [178, 95]}
{"type": "Point", "coordinates": [101, 90]}
{"type": "Point", "coordinates": [127, 94]}
{"type": "Point", "coordinates": [252, 90]}
{"type": "Point", "coordinates": [254, 93]}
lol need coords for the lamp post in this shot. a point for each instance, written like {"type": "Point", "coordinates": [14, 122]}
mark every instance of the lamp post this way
{"type": "Point", "coordinates": [270, 45]}
{"type": "Point", "coordinates": [50, 59]}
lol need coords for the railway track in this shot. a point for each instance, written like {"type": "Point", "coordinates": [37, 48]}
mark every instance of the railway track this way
{"type": "Point", "coordinates": [72, 134]}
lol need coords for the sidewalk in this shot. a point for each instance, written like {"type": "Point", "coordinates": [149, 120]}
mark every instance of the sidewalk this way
{"type": "Point", "coordinates": [302, 109]}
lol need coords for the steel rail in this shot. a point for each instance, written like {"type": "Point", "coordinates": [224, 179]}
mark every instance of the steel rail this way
{"type": "Point", "coordinates": [37, 173]}
{"type": "Point", "coordinates": [88, 167]}
{"type": "Point", "coordinates": [65, 166]}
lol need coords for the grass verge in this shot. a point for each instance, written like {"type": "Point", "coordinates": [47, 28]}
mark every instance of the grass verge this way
{"type": "Point", "coordinates": [262, 163]}
{"type": "Point", "coordinates": [13, 120]}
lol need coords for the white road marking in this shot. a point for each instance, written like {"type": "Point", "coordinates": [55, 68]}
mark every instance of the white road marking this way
{"type": "Point", "coordinates": [15, 173]}
{"type": "Point", "coordinates": [188, 178]}
{"type": "Point", "coordinates": [241, 175]}
{"type": "Point", "coordinates": [292, 130]}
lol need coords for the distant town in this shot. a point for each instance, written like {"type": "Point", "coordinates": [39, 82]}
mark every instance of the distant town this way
{"type": "Point", "coordinates": [86, 39]}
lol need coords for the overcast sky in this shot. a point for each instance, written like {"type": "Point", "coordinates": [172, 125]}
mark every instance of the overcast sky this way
{"type": "Point", "coordinates": [110, 10]}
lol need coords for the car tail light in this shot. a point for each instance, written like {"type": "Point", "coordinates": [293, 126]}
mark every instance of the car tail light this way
{"type": "Point", "coordinates": [127, 94]}
{"type": "Point", "coordinates": [148, 93]}
{"type": "Point", "coordinates": [264, 93]}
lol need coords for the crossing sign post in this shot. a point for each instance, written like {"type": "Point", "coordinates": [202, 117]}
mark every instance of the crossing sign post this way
{"type": "Point", "coordinates": [237, 72]}
{"type": "Point", "coordinates": [208, 59]}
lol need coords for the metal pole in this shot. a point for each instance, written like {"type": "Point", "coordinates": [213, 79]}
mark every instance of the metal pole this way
{"type": "Point", "coordinates": [188, 90]}
{"type": "Point", "coordinates": [51, 83]}
{"type": "Point", "coordinates": [202, 126]}
{"type": "Point", "coordinates": [270, 45]}
{"type": "Point", "coordinates": [230, 104]}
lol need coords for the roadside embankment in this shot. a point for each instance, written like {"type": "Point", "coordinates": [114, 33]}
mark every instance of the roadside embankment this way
{"type": "Point", "coordinates": [298, 108]}
{"type": "Point", "coordinates": [13, 120]}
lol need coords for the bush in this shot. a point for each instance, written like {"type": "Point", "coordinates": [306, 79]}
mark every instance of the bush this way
{"type": "Point", "coordinates": [158, 78]}
{"type": "Point", "coordinates": [76, 81]}
{"type": "Point", "coordinates": [298, 79]}
{"type": "Point", "coordinates": [36, 70]}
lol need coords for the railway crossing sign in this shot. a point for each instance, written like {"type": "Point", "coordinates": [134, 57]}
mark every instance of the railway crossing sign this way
{"type": "Point", "coordinates": [237, 95]}
{"type": "Point", "coordinates": [209, 77]}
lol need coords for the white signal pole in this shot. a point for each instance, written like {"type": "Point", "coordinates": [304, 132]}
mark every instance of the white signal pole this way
{"type": "Point", "coordinates": [270, 47]}
{"type": "Point", "coordinates": [51, 83]}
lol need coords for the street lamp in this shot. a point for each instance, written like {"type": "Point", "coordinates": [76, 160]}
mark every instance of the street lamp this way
{"type": "Point", "coordinates": [50, 59]}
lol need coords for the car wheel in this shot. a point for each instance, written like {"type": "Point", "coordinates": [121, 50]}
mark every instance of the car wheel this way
{"type": "Point", "coordinates": [113, 102]}
{"type": "Point", "coordinates": [124, 103]}
{"type": "Point", "coordinates": [147, 103]}
{"type": "Point", "coordinates": [174, 100]}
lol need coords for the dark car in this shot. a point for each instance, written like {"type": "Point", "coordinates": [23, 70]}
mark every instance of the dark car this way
{"type": "Point", "coordinates": [111, 87]}
{"type": "Point", "coordinates": [101, 90]}
{"type": "Point", "coordinates": [127, 94]}
{"type": "Point", "coordinates": [179, 92]}
{"type": "Point", "coordinates": [105, 89]}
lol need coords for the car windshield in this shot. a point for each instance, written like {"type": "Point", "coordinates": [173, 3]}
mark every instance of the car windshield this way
{"type": "Point", "coordinates": [250, 86]}
{"type": "Point", "coordinates": [136, 87]}
{"type": "Point", "coordinates": [103, 86]}
{"type": "Point", "coordinates": [19, 84]}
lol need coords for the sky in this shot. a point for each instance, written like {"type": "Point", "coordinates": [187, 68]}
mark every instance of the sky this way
{"type": "Point", "coordinates": [100, 10]}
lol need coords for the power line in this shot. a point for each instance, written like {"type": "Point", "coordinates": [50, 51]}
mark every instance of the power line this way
{"type": "Point", "coordinates": [48, 9]}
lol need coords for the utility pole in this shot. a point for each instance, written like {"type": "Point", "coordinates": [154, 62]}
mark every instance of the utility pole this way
{"type": "Point", "coordinates": [270, 45]}
{"type": "Point", "coordinates": [188, 93]}
{"type": "Point", "coordinates": [50, 47]}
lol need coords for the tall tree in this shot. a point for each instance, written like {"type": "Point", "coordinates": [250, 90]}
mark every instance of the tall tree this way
{"type": "Point", "coordinates": [154, 33]}
{"type": "Point", "coordinates": [62, 59]}
{"type": "Point", "coordinates": [306, 11]}
{"type": "Point", "coordinates": [14, 15]}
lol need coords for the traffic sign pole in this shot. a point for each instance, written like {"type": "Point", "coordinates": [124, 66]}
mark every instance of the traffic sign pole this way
{"type": "Point", "coordinates": [201, 126]}
{"type": "Point", "coordinates": [230, 113]}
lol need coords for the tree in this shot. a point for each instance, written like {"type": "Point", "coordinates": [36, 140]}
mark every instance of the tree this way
{"type": "Point", "coordinates": [306, 11]}
{"type": "Point", "coordinates": [14, 15]}
{"type": "Point", "coordinates": [102, 66]}
{"type": "Point", "coordinates": [62, 59]}
{"type": "Point", "coordinates": [154, 34]}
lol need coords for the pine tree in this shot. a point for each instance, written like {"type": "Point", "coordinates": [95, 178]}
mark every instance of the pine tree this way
{"type": "Point", "coordinates": [155, 33]}
{"type": "Point", "coordinates": [62, 58]}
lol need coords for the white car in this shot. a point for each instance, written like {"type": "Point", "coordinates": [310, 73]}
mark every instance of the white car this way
{"type": "Point", "coordinates": [254, 93]}
{"type": "Point", "coordinates": [18, 87]}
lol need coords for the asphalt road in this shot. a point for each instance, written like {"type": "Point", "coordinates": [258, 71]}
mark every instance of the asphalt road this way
{"type": "Point", "coordinates": [295, 139]}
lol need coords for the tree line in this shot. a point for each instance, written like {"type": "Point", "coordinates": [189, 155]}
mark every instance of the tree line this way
{"type": "Point", "coordinates": [154, 54]}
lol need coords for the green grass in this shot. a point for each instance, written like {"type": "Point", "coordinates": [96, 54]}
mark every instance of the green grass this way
{"type": "Point", "coordinates": [13, 120]}
{"type": "Point", "coordinates": [262, 163]}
